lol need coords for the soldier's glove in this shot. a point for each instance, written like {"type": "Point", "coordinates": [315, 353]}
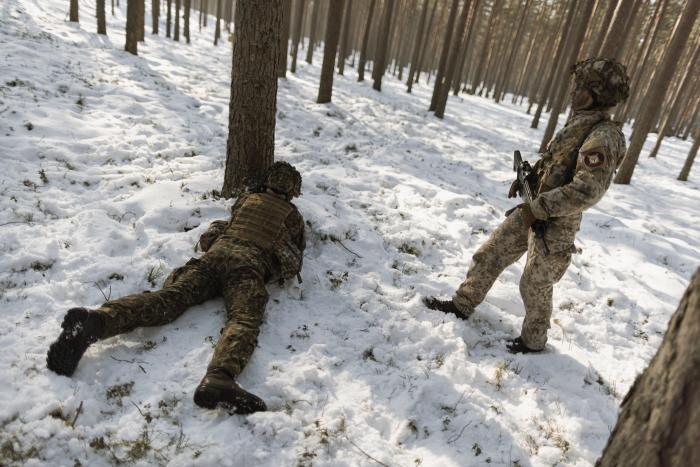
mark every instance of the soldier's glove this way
{"type": "Point", "coordinates": [514, 189]}
{"type": "Point", "coordinates": [528, 217]}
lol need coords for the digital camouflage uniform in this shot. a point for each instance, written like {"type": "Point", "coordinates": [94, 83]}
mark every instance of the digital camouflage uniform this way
{"type": "Point", "coordinates": [263, 242]}
{"type": "Point", "coordinates": [573, 174]}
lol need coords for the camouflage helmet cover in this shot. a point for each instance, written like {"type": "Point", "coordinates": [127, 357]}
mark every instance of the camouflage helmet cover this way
{"type": "Point", "coordinates": [282, 177]}
{"type": "Point", "coordinates": [604, 78]}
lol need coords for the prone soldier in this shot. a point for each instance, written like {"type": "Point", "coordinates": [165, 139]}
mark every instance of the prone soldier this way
{"type": "Point", "coordinates": [572, 175]}
{"type": "Point", "coordinates": [262, 242]}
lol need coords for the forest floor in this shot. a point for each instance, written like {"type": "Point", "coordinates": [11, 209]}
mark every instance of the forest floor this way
{"type": "Point", "coordinates": [109, 162]}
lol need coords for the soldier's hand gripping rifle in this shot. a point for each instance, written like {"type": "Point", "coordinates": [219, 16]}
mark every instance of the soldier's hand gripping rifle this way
{"type": "Point", "coordinates": [523, 169]}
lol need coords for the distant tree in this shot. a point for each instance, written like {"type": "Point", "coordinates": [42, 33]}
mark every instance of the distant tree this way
{"type": "Point", "coordinates": [186, 31]}
{"type": "Point", "coordinates": [284, 38]}
{"type": "Point", "coordinates": [685, 171]}
{"type": "Point", "coordinates": [330, 49]}
{"type": "Point", "coordinates": [447, 40]}
{"type": "Point", "coordinates": [141, 27]}
{"type": "Point", "coordinates": [381, 59]}
{"type": "Point", "coordinates": [312, 31]}
{"type": "Point", "coordinates": [217, 29]}
{"type": "Point", "coordinates": [73, 12]}
{"type": "Point", "coordinates": [176, 33]}
{"type": "Point", "coordinates": [296, 33]}
{"type": "Point", "coordinates": [101, 20]}
{"type": "Point", "coordinates": [418, 42]}
{"type": "Point", "coordinates": [132, 24]}
{"type": "Point", "coordinates": [252, 111]}
{"type": "Point", "coordinates": [659, 421]}
{"type": "Point", "coordinates": [648, 113]}
{"type": "Point", "coordinates": [169, 20]}
{"type": "Point", "coordinates": [155, 15]}
{"type": "Point", "coordinates": [365, 42]}
{"type": "Point", "coordinates": [345, 37]}
{"type": "Point", "coordinates": [625, 12]}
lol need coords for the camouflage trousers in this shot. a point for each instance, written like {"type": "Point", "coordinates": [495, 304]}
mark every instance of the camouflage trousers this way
{"type": "Point", "coordinates": [505, 246]}
{"type": "Point", "coordinates": [236, 273]}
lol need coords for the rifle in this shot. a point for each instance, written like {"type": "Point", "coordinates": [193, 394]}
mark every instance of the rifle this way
{"type": "Point", "coordinates": [524, 170]}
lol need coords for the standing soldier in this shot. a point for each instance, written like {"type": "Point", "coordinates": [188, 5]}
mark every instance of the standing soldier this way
{"type": "Point", "coordinates": [262, 242]}
{"type": "Point", "coordinates": [571, 176]}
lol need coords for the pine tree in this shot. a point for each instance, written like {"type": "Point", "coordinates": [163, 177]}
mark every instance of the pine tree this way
{"type": "Point", "coordinates": [330, 50]}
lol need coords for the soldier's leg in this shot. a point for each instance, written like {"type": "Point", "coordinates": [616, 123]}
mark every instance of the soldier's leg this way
{"type": "Point", "coordinates": [504, 247]}
{"type": "Point", "coordinates": [187, 286]}
{"type": "Point", "coordinates": [536, 286]}
{"type": "Point", "coordinates": [245, 297]}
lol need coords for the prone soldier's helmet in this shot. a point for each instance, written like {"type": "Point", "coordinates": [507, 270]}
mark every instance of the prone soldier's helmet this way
{"type": "Point", "coordinates": [284, 179]}
{"type": "Point", "coordinates": [604, 78]}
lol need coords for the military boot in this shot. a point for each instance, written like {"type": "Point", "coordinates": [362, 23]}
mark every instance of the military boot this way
{"type": "Point", "coordinates": [218, 388]}
{"type": "Point", "coordinates": [446, 306]}
{"type": "Point", "coordinates": [80, 329]}
{"type": "Point", "coordinates": [517, 345]}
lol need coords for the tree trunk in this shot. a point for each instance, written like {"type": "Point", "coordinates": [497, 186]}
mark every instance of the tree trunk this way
{"type": "Point", "coordinates": [186, 31]}
{"type": "Point", "coordinates": [365, 42]}
{"type": "Point", "coordinates": [101, 19]}
{"type": "Point", "coordinates": [155, 15]}
{"type": "Point", "coordinates": [206, 13]}
{"type": "Point", "coordinates": [132, 22]}
{"type": "Point", "coordinates": [330, 50]}
{"type": "Point", "coordinates": [312, 31]}
{"type": "Point", "coordinates": [616, 35]}
{"type": "Point", "coordinates": [502, 88]}
{"type": "Point", "coordinates": [176, 33]}
{"type": "Point", "coordinates": [446, 42]}
{"type": "Point", "coordinates": [141, 31]}
{"type": "Point", "coordinates": [417, 45]}
{"type": "Point", "coordinates": [169, 19]}
{"type": "Point", "coordinates": [428, 40]}
{"type": "Point", "coordinates": [657, 90]}
{"type": "Point", "coordinates": [217, 29]}
{"type": "Point", "coordinates": [73, 12]}
{"type": "Point", "coordinates": [345, 39]}
{"type": "Point", "coordinates": [298, 21]}
{"type": "Point", "coordinates": [683, 176]}
{"type": "Point", "coordinates": [466, 48]}
{"type": "Point", "coordinates": [284, 39]}
{"type": "Point", "coordinates": [659, 422]}
{"type": "Point", "coordinates": [455, 49]}
{"type": "Point", "coordinates": [383, 42]}
{"type": "Point", "coordinates": [252, 111]}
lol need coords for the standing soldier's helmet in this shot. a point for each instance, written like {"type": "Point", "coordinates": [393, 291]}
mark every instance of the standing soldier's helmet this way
{"type": "Point", "coordinates": [284, 179]}
{"type": "Point", "coordinates": [604, 78]}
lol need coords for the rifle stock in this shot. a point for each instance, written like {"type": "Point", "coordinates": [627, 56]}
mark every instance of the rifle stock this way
{"type": "Point", "coordinates": [523, 170]}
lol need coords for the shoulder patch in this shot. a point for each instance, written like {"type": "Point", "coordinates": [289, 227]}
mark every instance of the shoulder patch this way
{"type": "Point", "coordinates": [593, 159]}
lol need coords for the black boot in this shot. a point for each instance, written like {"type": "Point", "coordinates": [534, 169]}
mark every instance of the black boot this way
{"type": "Point", "coordinates": [80, 329]}
{"type": "Point", "coordinates": [218, 388]}
{"type": "Point", "coordinates": [446, 306]}
{"type": "Point", "coordinates": [517, 345]}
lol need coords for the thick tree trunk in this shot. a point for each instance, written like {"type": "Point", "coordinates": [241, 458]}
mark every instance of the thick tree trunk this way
{"type": "Point", "coordinates": [446, 42]}
{"type": "Point", "coordinates": [455, 49]}
{"type": "Point", "coordinates": [186, 31]}
{"type": "Point", "coordinates": [142, 21]}
{"type": "Point", "coordinates": [298, 22]}
{"type": "Point", "coordinates": [132, 22]}
{"type": "Point", "coordinates": [365, 42]}
{"type": "Point", "coordinates": [312, 31]}
{"type": "Point", "coordinates": [284, 39]}
{"type": "Point", "coordinates": [616, 35]}
{"type": "Point", "coordinates": [73, 12]}
{"type": "Point", "coordinates": [155, 15]}
{"type": "Point", "coordinates": [252, 111]}
{"type": "Point", "coordinates": [685, 171]}
{"type": "Point", "coordinates": [659, 422]}
{"type": "Point", "coordinates": [206, 13]}
{"type": "Point", "coordinates": [176, 33]}
{"type": "Point", "coordinates": [657, 90]}
{"type": "Point", "coordinates": [101, 19]}
{"type": "Point", "coordinates": [334, 21]}
{"type": "Point", "coordinates": [380, 60]}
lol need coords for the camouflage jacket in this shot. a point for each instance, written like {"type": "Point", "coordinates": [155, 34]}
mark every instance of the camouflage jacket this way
{"type": "Point", "coordinates": [570, 180]}
{"type": "Point", "coordinates": [266, 223]}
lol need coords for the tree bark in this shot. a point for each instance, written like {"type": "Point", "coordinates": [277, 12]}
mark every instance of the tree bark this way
{"type": "Point", "coordinates": [132, 21]}
{"type": "Point", "coordinates": [141, 30]}
{"type": "Point", "coordinates": [186, 31]}
{"type": "Point", "coordinates": [169, 19]}
{"type": "Point", "coordinates": [345, 38]}
{"type": "Point", "coordinates": [312, 31]}
{"type": "Point", "coordinates": [73, 12]}
{"type": "Point", "coordinates": [155, 15]}
{"type": "Point", "coordinates": [417, 45]}
{"type": "Point", "coordinates": [380, 60]}
{"type": "Point", "coordinates": [446, 42]}
{"type": "Point", "coordinates": [217, 29]}
{"type": "Point", "coordinates": [298, 21]}
{"type": "Point", "coordinates": [659, 422]}
{"type": "Point", "coordinates": [252, 111]}
{"type": "Point", "coordinates": [176, 33]}
{"type": "Point", "coordinates": [455, 49]}
{"type": "Point", "coordinates": [284, 39]}
{"type": "Point", "coordinates": [101, 19]}
{"type": "Point", "coordinates": [365, 42]}
{"type": "Point", "coordinates": [685, 171]}
{"type": "Point", "coordinates": [657, 90]}
{"type": "Point", "coordinates": [616, 35]}
{"type": "Point", "coordinates": [330, 50]}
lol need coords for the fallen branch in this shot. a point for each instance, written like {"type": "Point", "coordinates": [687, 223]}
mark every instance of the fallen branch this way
{"type": "Point", "coordinates": [364, 452]}
{"type": "Point", "coordinates": [77, 412]}
{"type": "Point", "coordinates": [455, 438]}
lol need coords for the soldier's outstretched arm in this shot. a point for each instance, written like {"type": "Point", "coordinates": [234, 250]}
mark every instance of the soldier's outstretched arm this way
{"type": "Point", "coordinates": [595, 166]}
{"type": "Point", "coordinates": [215, 230]}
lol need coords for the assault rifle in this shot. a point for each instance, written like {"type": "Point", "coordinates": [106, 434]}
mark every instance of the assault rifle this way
{"type": "Point", "coordinates": [524, 170]}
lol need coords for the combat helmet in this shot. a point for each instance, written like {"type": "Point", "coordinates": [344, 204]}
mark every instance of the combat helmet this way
{"type": "Point", "coordinates": [604, 78]}
{"type": "Point", "coordinates": [283, 178]}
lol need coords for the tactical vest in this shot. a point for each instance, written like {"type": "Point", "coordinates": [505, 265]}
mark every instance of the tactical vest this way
{"type": "Point", "coordinates": [260, 219]}
{"type": "Point", "coordinates": [556, 168]}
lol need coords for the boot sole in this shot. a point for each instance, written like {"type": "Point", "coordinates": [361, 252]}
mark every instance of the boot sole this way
{"type": "Point", "coordinates": [211, 398]}
{"type": "Point", "coordinates": [62, 357]}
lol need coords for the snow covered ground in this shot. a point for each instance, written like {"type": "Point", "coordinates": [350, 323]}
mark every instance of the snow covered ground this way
{"type": "Point", "coordinates": [108, 165]}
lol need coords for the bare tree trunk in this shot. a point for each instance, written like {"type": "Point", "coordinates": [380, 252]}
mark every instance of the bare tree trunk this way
{"type": "Point", "coordinates": [345, 39]}
{"type": "Point", "coordinates": [142, 20]}
{"type": "Point", "coordinates": [446, 42]}
{"type": "Point", "coordinates": [616, 35]}
{"type": "Point", "coordinates": [365, 42]}
{"type": "Point", "coordinates": [206, 13]}
{"type": "Point", "coordinates": [657, 90]}
{"type": "Point", "coordinates": [132, 22]}
{"type": "Point", "coordinates": [685, 171]}
{"type": "Point", "coordinates": [312, 31]}
{"type": "Point", "coordinates": [101, 19]}
{"type": "Point", "coordinates": [501, 88]}
{"type": "Point", "coordinates": [488, 44]}
{"type": "Point", "coordinates": [427, 42]}
{"type": "Point", "coordinates": [330, 50]}
{"type": "Point", "coordinates": [455, 49]}
{"type": "Point", "coordinates": [155, 15]}
{"type": "Point", "coordinates": [659, 422]}
{"type": "Point", "coordinates": [176, 33]}
{"type": "Point", "coordinates": [284, 38]}
{"type": "Point", "coordinates": [417, 44]}
{"type": "Point", "coordinates": [169, 19]}
{"type": "Point", "coordinates": [298, 21]}
{"type": "Point", "coordinates": [381, 59]}
{"type": "Point", "coordinates": [186, 31]}
{"type": "Point", "coordinates": [466, 48]}
{"type": "Point", "coordinates": [73, 12]}
{"type": "Point", "coordinates": [217, 29]}
{"type": "Point", "coordinates": [251, 139]}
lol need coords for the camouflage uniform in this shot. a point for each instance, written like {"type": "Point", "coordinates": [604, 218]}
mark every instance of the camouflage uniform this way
{"type": "Point", "coordinates": [573, 174]}
{"type": "Point", "coordinates": [263, 242]}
